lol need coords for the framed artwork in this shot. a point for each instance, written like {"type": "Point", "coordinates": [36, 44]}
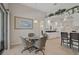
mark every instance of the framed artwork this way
{"type": "Point", "coordinates": [23, 23]}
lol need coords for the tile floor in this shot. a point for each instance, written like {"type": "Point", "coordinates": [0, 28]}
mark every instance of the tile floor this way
{"type": "Point", "coordinates": [53, 47]}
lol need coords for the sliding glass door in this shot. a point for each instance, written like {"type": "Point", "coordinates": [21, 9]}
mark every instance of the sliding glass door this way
{"type": "Point", "coordinates": [1, 30]}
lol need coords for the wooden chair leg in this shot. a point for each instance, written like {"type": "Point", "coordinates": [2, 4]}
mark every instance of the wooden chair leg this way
{"type": "Point", "coordinates": [67, 43]}
{"type": "Point", "coordinates": [40, 50]}
{"type": "Point", "coordinates": [78, 45]}
{"type": "Point", "coordinates": [78, 48]}
{"type": "Point", "coordinates": [37, 51]}
{"type": "Point", "coordinates": [70, 43]}
{"type": "Point", "coordinates": [61, 42]}
{"type": "Point", "coordinates": [30, 49]}
{"type": "Point", "coordinates": [43, 52]}
{"type": "Point", "coordinates": [24, 50]}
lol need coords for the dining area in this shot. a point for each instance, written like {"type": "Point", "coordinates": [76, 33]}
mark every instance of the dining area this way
{"type": "Point", "coordinates": [34, 42]}
{"type": "Point", "coordinates": [67, 44]}
{"type": "Point", "coordinates": [48, 34]}
{"type": "Point", "coordinates": [42, 45]}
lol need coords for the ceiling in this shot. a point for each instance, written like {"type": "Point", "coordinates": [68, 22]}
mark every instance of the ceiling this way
{"type": "Point", "coordinates": [50, 7]}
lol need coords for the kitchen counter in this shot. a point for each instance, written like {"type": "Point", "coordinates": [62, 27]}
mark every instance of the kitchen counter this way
{"type": "Point", "coordinates": [52, 35]}
{"type": "Point", "coordinates": [51, 31]}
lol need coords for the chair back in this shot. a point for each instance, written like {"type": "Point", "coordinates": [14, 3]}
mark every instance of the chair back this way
{"type": "Point", "coordinates": [43, 41]}
{"type": "Point", "coordinates": [64, 34]}
{"type": "Point", "coordinates": [31, 34]}
{"type": "Point", "coordinates": [74, 36]}
{"type": "Point", "coordinates": [45, 35]}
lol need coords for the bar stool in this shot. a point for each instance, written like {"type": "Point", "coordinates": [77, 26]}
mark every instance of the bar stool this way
{"type": "Point", "coordinates": [74, 37]}
{"type": "Point", "coordinates": [65, 38]}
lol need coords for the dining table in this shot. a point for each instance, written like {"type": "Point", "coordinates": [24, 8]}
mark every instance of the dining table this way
{"type": "Point", "coordinates": [34, 40]}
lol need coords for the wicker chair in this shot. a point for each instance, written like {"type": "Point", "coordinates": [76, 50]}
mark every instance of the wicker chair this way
{"type": "Point", "coordinates": [27, 44]}
{"type": "Point", "coordinates": [42, 42]}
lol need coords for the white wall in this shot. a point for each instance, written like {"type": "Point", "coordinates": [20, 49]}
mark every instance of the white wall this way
{"type": "Point", "coordinates": [6, 5]}
{"type": "Point", "coordinates": [27, 12]}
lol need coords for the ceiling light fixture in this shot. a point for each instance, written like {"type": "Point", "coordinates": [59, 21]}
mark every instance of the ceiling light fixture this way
{"type": "Point", "coordinates": [48, 21]}
{"type": "Point", "coordinates": [35, 21]}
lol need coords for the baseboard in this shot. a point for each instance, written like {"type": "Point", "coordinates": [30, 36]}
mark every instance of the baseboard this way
{"type": "Point", "coordinates": [16, 44]}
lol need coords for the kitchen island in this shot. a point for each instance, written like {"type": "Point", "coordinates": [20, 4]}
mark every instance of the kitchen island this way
{"type": "Point", "coordinates": [53, 34]}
